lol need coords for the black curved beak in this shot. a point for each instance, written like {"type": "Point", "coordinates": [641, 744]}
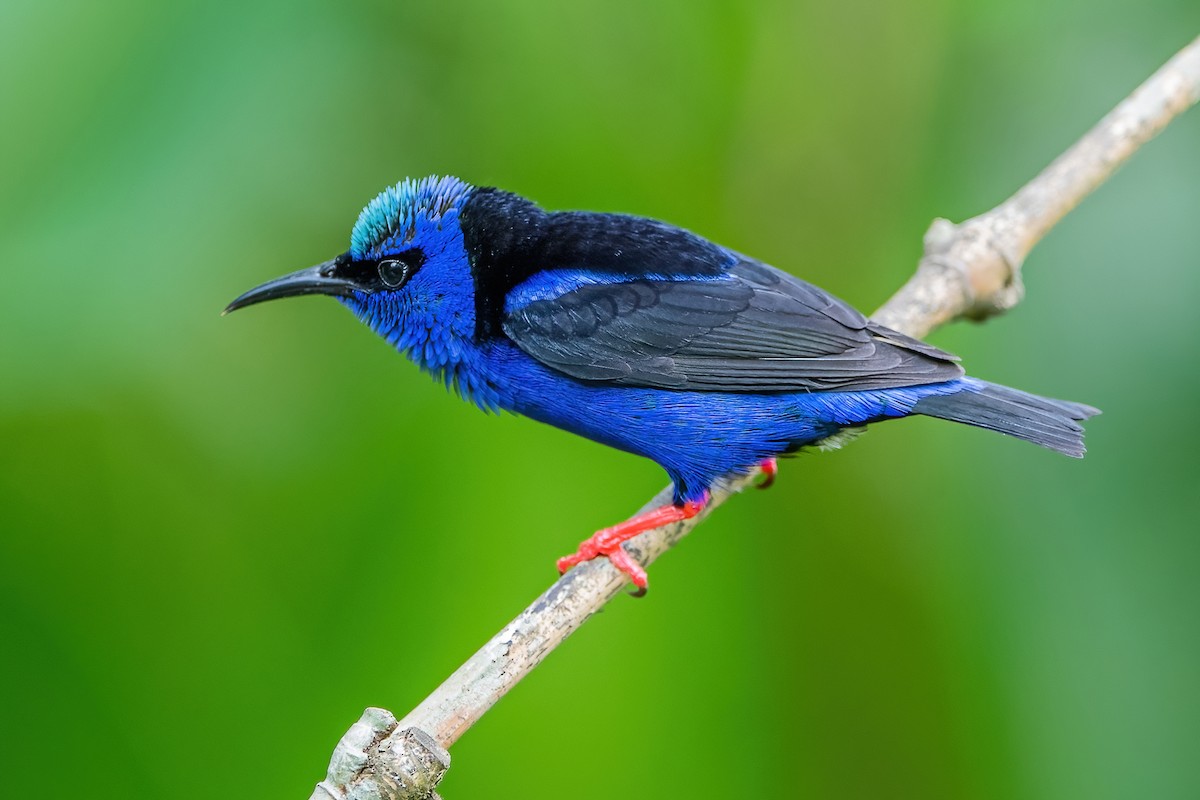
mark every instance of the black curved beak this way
{"type": "Point", "coordinates": [321, 279]}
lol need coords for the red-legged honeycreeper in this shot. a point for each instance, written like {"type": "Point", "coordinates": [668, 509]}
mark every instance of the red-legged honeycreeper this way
{"type": "Point", "coordinates": [642, 336]}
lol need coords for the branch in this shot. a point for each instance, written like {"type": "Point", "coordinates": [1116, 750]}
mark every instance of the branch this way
{"type": "Point", "coordinates": [972, 270]}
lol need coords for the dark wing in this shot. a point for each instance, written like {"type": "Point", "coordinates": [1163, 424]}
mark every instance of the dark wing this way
{"type": "Point", "coordinates": [755, 330]}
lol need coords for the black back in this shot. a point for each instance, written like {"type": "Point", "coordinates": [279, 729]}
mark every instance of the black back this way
{"type": "Point", "coordinates": [685, 314]}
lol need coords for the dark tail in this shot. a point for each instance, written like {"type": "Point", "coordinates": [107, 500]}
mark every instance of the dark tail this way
{"type": "Point", "coordinates": [1049, 423]}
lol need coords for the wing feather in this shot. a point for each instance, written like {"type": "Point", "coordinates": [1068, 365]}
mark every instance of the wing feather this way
{"type": "Point", "coordinates": [755, 329]}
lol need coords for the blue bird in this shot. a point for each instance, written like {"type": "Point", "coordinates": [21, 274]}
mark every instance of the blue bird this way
{"type": "Point", "coordinates": [642, 336]}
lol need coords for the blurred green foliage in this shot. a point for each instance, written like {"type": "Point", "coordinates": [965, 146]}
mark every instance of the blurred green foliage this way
{"type": "Point", "coordinates": [222, 538]}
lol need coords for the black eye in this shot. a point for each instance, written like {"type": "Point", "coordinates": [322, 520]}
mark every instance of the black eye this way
{"type": "Point", "coordinates": [393, 272]}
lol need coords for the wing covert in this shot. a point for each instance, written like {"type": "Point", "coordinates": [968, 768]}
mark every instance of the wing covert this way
{"type": "Point", "coordinates": [755, 329]}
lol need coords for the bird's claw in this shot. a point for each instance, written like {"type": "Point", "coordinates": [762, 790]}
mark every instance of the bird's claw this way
{"type": "Point", "coordinates": [607, 542]}
{"type": "Point", "coordinates": [616, 554]}
{"type": "Point", "coordinates": [770, 468]}
{"type": "Point", "coordinates": [637, 574]}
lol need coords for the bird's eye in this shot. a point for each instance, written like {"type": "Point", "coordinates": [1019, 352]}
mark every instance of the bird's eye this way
{"type": "Point", "coordinates": [393, 273]}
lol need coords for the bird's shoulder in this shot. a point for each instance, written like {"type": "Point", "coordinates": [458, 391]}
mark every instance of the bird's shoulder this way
{"type": "Point", "coordinates": [513, 243]}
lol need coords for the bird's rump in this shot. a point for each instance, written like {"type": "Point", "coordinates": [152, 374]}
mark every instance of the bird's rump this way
{"type": "Point", "coordinates": [752, 329]}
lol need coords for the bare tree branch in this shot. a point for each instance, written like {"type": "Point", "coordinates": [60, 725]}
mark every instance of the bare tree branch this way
{"type": "Point", "coordinates": [972, 269]}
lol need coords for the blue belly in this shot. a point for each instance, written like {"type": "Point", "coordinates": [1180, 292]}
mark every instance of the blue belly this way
{"type": "Point", "coordinates": [696, 436]}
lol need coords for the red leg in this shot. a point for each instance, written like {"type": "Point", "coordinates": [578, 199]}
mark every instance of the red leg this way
{"type": "Point", "coordinates": [769, 469]}
{"type": "Point", "coordinates": [607, 542]}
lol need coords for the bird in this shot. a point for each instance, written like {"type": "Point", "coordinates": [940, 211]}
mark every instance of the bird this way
{"type": "Point", "coordinates": [642, 336]}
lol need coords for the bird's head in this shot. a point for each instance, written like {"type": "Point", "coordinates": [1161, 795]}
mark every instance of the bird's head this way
{"type": "Point", "coordinates": [406, 272]}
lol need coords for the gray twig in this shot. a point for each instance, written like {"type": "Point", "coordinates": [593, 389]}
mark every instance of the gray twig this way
{"type": "Point", "coordinates": [972, 269]}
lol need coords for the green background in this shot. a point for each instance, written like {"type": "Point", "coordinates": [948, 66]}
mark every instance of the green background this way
{"type": "Point", "coordinates": [222, 538]}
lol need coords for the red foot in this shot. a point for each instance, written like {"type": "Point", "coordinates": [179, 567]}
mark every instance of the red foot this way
{"type": "Point", "coordinates": [607, 542]}
{"type": "Point", "coordinates": [769, 469]}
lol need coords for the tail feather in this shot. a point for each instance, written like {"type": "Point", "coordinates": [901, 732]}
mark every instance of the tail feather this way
{"type": "Point", "coordinates": [1041, 420]}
